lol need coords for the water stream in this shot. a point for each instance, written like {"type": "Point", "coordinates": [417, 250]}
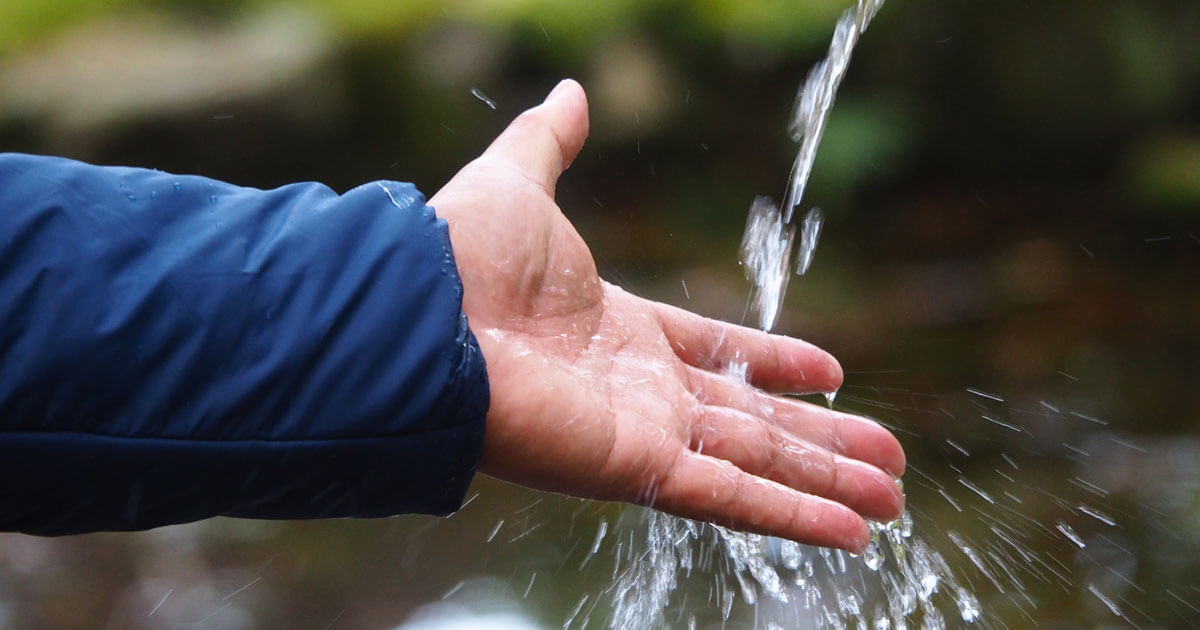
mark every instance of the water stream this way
{"type": "Point", "coordinates": [901, 579]}
{"type": "Point", "coordinates": [933, 578]}
{"type": "Point", "coordinates": [770, 235]}
{"type": "Point", "coordinates": [895, 580]}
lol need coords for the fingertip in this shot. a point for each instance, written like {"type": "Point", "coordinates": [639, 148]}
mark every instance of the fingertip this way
{"type": "Point", "coordinates": [898, 463]}
{"type": "Point", "coordinates": [574, 125]}
{"type": "Point", "coordinates": [866, 440]}
{"type": "Point", "coordinates": [567, 88]}
{"type": "Point", "coordinates": [813, 369]}
{"type": "Point", "coordinates": [856, 535]}
{"type": "Point", "coordinates": [886, 500]}
{"type": "Point", "coordinates": [888, 453]}
{"type": "Point", "coordinates": [569, 101]}
{"type": "Point", "coordinates": [891, 454]}
{"type": "Point", "coordinates": [832, 524]}
{"type": "Point", "coordinates": [834, 375]}
{"type": "Point", "coordinates": [544, 140]}
{"type": "Point", "coordinates": [901, 501]}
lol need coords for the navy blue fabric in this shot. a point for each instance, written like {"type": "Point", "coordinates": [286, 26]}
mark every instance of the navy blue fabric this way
{"type": "Point", "coordinates": [173, 348]}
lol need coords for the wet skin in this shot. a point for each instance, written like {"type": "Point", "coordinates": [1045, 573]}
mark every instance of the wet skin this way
{"type": "Point", "coordinates": [601, 394]}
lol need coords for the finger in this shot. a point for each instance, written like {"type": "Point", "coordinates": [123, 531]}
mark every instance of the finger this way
{"type": "Point", "coordinates": [774, 362]}
{"type": "Point", "coordinates": [766, 450]}
{"type": "Point", "coordinates": [853, 436]}
{"type": "Point", "coordinates": [709, 489]}
{"type": "Point", "coordinates": [544, 140]}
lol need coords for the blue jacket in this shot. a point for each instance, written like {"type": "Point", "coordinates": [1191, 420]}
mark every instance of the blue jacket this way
{"type": "Point", "coordinates": [174, 348]}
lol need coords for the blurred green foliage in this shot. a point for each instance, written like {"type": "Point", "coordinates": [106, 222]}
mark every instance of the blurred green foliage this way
{"type": "Point", "coordinates": [22, 23]}
{"type": "Point", "coordinates": [1016, 90]}
{"type": "Point", "coordinates": [778, 22]}
{"type": "Point", "coordinates": [1012, 193]}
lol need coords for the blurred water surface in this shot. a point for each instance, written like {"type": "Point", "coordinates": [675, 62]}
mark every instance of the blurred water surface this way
{"type": "Point", "coordinates": [1008, 273]}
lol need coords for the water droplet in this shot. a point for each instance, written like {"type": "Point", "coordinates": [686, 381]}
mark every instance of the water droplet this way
{"type": "Point", "coordinates": [749, 593]}
{"type": "Point", "coordinates": [983, 394]}
{"type": "Point", "coordinates": [1070, 534]}
{"type": "Point", "coordinates": [212, 199]}
{"type": "Point", "coordinates": [764, 255]}
{"type": "Point", "coordinates": [929, 585]}
{"type": "Point", "coordinates": [1112, 606]}
{"type": "Point", "coordinates": [495, 530]}
{"type": "Point", "coordinates": [478, 93]}
{"type": "Point", "coordinates": [726, 604]}
{"type": "Point", "coordinates": [906, 525]}
{"type": "Point", "coordinates": [738, 370]}
{"type": "Point", "coordinates": [968, 606]}
{"type": "Point", "coordinates": [178, 186]}
{"type": "Point", "coordinates": [1098, 515]}
{"type": "Point", "coordinates": [873, 555]}
{"type": "Point", "coordinates": [907, 599]}
{"type": "Point", "coordinates": [933, 620]}
{"type": "Point", "coordinates": [810, 233]}
{"type": "Point", "coordinates": [897, 543]}
{"type": "Point", "coordinates": [603, 529]}
{"type": "Point", "coordinates": [789, 552]}
{"type": "Point", "coordinates": [830, 397]}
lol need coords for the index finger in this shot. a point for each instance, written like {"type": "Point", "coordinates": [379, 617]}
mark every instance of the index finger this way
{"type": "Point", "coordinates": [774, 362]}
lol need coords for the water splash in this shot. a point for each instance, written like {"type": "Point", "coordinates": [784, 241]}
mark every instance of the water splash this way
{"type": "Point", "coordinates": [1070, 534]}
{"type": "Point", "coordinates": [968, 606]}
{"type": "Point", "coordinates": [810, 233]}
{"type": "Point", "coordinates": [873, 555]}
{"type": "Point", "coordinates": [643, 589]}
{"type": "Point", "coordinates": [830, 586]}
{"type": "Point", "coordinates": [912, 583]}
{"type": "Point", "coordinates": [478, 93]}
{"type": "Point", "coordinates": [765, 253]}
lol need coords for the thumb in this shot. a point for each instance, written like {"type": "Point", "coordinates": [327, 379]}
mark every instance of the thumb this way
{"type": "Point", "coordinates": [544, 140]}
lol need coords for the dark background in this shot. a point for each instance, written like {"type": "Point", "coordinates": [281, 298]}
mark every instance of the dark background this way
{"type": "Point", "coordinates": [1012, 194]}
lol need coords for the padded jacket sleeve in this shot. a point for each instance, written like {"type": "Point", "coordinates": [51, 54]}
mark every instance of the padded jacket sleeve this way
{"type": "Point", "coordinates": [174, 348]}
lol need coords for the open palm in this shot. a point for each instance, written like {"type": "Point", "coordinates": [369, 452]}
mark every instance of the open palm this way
{"type": "Point", "coordinates": [601, 394]}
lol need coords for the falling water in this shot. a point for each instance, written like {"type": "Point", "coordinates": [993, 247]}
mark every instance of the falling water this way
{"type": "Point", "coordinates": [770, 234]}
{"type": "Point", "coordinates": [832, 588]}
{"type": "Point", "coordinates": [1002, 549]}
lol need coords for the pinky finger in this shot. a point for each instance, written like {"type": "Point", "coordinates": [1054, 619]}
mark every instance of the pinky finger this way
{"type": "Point", "coordinates": [709, 489]}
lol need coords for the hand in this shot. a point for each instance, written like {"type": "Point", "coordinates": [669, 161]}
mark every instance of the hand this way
{"type": "Point", "coordinates": [601, 394]}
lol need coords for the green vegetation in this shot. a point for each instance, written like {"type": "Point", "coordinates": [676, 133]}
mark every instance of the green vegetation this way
{"type": "Point", "coordinates": [1012, 193]}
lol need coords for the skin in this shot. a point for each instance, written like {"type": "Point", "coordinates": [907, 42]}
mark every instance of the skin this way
{"type": "Point", "coordinates": [601, 394]}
